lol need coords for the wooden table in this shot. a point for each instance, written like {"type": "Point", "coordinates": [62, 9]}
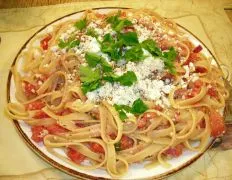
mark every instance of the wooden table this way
{"type": "Point", "coordinates": [31, 3]}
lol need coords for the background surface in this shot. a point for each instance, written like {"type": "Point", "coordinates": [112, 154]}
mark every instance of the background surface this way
{"type": "Point", "coordinates": [207, 19]}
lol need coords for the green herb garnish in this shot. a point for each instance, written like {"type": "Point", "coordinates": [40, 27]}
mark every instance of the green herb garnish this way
{"type": "Point", "coordinates": [81, 24]}
{"type": "Point", "coordinates": [122, 110]}
{"type": "Point", "coordinates": [169, 58]}
{"type": "Point", "coordinates": [94, 59]}
{"type": "Point", "coordinates": [68, 44]}
{"type": "Point", "coordinates": [151, 46]}
{"type": "Point", "coordinates": [90, 78]}
{"type": "Point", "coordinates": [129, 38]}
{"type": "Point", "coordinates": [134, 54]}
{"type": "Point", "coordinates": [138, 107]}
{"type": "Point", "coordinates": [117, 23]}
{"type": "Point", "coordinates": [117, 146]}
{"type": "Point", "coordinates": [92, 32]}
{"type": "Point", "coordinates": [127, 79]}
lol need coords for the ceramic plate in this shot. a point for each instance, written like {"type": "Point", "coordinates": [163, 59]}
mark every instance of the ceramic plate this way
{"type": "Point", "coordinates": [137, 170]}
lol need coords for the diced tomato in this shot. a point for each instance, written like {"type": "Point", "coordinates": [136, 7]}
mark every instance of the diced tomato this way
{"type": "Point", "coordinates": [212, 92]}
{"type": "Point", "coordinates": [126, 142]}
{"type": "Point", "coordinates": [199, 69]}
{"type": "Point", "coordinates": [75, 156]}
{"type": "Point", "coordinates": [112, 136]}
{"type": "Point", "coordinates": [175, 151]}
{"type": "Point", "coordinates": [142, 122]}
{"type": "Point", "coordinates": [158, 108]}
{"type": "Point", "coordinates": [195, 88]}
{"type": "Point", "coordinates": [95, 147]}
{"type": "Point", "coordinates": [192, 93]}
{"type": "Point", "coordinates": [80, 125]}
{"type": "Point", "coordinates": [29, 88]}
{"type": "Point", "coordinates": [123, 14]}
{"type": "Point", "coordinates": [36, 105]}
{"type": "Point", "coordinates": [198, 83]}
{"type": "Point", "coordinates": [216, 123]}
{"type": "Point", "coordinates": [202, 124]}
{"type": "Point", "coordinates": [64, 112]}
{"type": "Point", "coordinates": [180, 92]}
{"type": "Point", "coordinates": [56, 129]}
{"type": "Point", "coordinates": [192, 57]}
{"type": "Point", "coordinates": [197, 49]}
{"type": "Point", "coordinates": [38, 133]}
{"type": "Point", "coordinates": [44, 42]}
{"type": "Point", "coordinates": [98, 15]}
{"type": "Point", "coordinates": [40, 115]}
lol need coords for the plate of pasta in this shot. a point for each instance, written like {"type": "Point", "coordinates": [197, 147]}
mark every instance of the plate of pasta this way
{"type": "Point", "coordinates": [116, 93]}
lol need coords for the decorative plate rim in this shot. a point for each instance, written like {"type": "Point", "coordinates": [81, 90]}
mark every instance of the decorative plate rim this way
{"type": "Point", "coordinates": [70, 171]}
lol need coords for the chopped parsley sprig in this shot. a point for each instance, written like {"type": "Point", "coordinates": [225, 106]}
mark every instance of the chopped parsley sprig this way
{"type": "Point", "coordinates": [138, 107]}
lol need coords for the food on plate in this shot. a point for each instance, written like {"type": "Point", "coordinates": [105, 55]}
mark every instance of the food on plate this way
{"type": "Point", "coordinates": [118, 88]}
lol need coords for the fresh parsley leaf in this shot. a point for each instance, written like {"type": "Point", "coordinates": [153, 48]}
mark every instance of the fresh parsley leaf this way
{"type": "Point", "coordinates": [169, 58]}
{"type": "Point", "coordinates": [92, 32]}
{"type": "Point", "coordinates": [134, 54]}
{"type": "Point", "coordinates": [121, 24]}
{"type": "Point", "coordinates": [117, 23]}
{"type": "Point", "coordinates": [68, 44]}
{"type": "Point", "coordinates": [111, 47]}
{"type": "Point", "coordinates": [91, 86]}
{"type": "Point", "coordinates": [81, 24]}
{"type": "Point", "coordinates": [94, 59]}
{"type": "Point", "coordinates": [117, 146]}
{"type": "Point", "coordinates": [88, 75]}
{"type": "Point", "coordinates": [122, 110]}
{"type": "Point", "coordinates": [138, 107]}
{"type": "Point", "coordinates": [129, 38]}
{"type": "Point", "coordinates": [127, 79]}
{"type": "Point", "coordinates": [151, 46]}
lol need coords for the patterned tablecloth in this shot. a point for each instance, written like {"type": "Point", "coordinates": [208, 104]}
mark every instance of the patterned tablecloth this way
{"type": "Point", "coordinates": [206, 19]}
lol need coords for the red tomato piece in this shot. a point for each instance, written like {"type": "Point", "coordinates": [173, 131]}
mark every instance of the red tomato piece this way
{"type": "Point", "coordinates": [180, 92]}
{"type": "Point", "coordinates": [36, 105]}
{"type": "Point", "coordinates": [44, 42]}
{"type": "Point", "coordinates": [192, 57]}
{"type": "Point", "coordinates": [123, 14]}
{"type": "Point", "coordinates": [175, 151]}
{"type": "Point", "coordinates": [212, 92]}
{"type": "Point", "coordinates": [56, 129]}
{"type": "Point", "coordinates": [38, 133]}
{"type": "Point", "coordinates": [97, 148]}
{"type": "Point", "coordinates": [197, 49]}
{"type": "Point", "coordinates": [198, 83]}
{"type": "Point", "coordinates": [142, 122]}
{"type": "Point", "coordinates": [74, 155]}
{"type": "Point", "coordinates": [64, 112]}
{"type": "Point", "coordinates": [216, 123]}
{"type": "Point", "coordinates": [199, 69]}
{"type": "Point", "coordinates": [80, 125]}
{"type": "Point", "coordinates": [202, 124]}
{"type": "Point", "coordinates": [126, 142]}
{"type": "Point", "coordinates": [29, 88]}
{"type": "Point", "coordinates": [40, 115]}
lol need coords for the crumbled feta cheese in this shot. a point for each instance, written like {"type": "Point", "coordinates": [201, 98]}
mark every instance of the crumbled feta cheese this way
{"type": "Point", "coordinates": [187, 71]}
{"type": "Point", "coordinates": [146, 67]}
{"type": "Point", "coordinates": [64, 36]}
{"type": "Point", "coordinates": [143, 32]}
{"type": "Point", "coordinates": [54, 48]}
{"type": "Point", "coordinates": [36, 43]}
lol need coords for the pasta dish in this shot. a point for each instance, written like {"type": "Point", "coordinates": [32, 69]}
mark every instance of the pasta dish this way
{"type": "Point", "coordinates": [119, 88]}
